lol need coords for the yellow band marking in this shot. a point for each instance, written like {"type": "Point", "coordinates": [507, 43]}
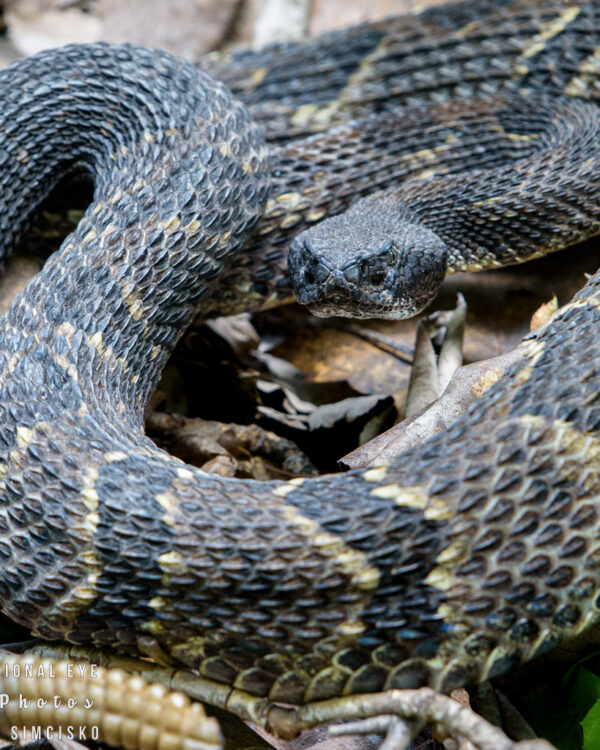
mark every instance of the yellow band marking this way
{"type": "Point", "coordinates": [109, 230]}
{"type": "Point", "coordinates": [89, 494]}
{"type": "Point", "coordinates": [377, 474]}
{"type": "Point", "coordinates": [67, 366]}
{"type": "Point", "coordinates": [405, 497]}
{"type": "Point", "coordinates": [171, 224]}
{"type": "Point", "coordinates": [454, 553]}
{"type": "Point", "coordinates": [316, 214]}
{"type": "Point", "coordinates": [115, 456]}
{"type": "Point", "coordinates": [135, 304]}
{"type": "Point", "coordinates": [116, 196]}
{"type": "Point", "coordinates": [24, 436]}
{"type": "Point", "coordinates": [79, 598]}
{"type": "Point", "coordinates": [434, 509]}
{"type": "Point", "coordinates": [65, 329]}
{"type": "Point", "coordinates": [351, 628]}
{"type": "Point", "coordinates": [288, 200]}
{"type": "Point", "coordinates": [170, 503]}
{"type": "Point", "coordinates": [258, 76]}
{"type": "Point", "coordinates": [588, 68]}
{"type": "Point", "coordinates": [438, 509]}
{"type": "Point", "coordinates": [192, 227]}
{"type": "Point", "coordinates": [352, 563]}
{"type": "Point", "coordinates": [522, 138]}
{"type": "Point", "coordinates": [90, 498]}
{"type": "Point", "coordinates": [225, 149]}
{"type": "Point", "coordinates": [95, 341]}
{"type": "Point", "coordinates": [534, 349]}
{"type": "Point", "coordinates": [184, 473]}
{"type": "Point", "coordinates": [290, 220]}
{"type": "Point", "coordinates": [577, 453]}
{"type": "Point", "coordinates": [426, 174]}
{"type": "Point", "coordinates": [550, 30]}
{"type": "Point", "coordinates": [489, 201]}
{"type": "Point", "coordinates": [466, 30]}
{"type": "Point", "coordinates": [172, 562]}
{"type": "Point", "coordinates": [283, 490]}
{"type": "Point", "coordinates": [136, 187]}
{"type": "Point", "coordinates": [288, 487]}
{"type": "Point", "coordinates": [440, 579]}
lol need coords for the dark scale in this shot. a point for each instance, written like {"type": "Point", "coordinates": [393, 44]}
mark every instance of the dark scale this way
{"type": "Point", "coordinates": [421, 572]}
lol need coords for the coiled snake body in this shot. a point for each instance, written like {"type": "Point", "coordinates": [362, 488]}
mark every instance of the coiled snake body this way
{"type": "Point", "coordinates": [451, 564]}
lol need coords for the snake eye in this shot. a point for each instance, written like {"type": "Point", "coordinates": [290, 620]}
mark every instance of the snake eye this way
{"type": "Point", "coordinates": [391, 256]}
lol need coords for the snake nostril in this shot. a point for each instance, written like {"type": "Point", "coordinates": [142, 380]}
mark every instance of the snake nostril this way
{"type": "Point", "coordinates": [378, 277]}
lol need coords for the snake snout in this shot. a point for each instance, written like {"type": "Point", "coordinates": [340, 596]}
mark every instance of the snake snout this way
{"type": "Point", "coordinates": [374, 260]}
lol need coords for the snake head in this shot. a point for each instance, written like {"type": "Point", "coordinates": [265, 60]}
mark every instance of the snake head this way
{"type": "Point", "coordinates": [372, 261]}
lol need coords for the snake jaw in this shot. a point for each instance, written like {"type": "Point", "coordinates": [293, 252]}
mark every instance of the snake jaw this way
{"type": "Point", "coordinates": [373, 261]}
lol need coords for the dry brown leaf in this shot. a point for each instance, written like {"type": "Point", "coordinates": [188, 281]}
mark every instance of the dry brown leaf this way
{"type": "Point", "coordinates": [543, 313]}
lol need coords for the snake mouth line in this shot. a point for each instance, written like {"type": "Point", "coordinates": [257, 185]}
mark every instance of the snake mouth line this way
{"type": "Point", "coordinates": [346, 307]}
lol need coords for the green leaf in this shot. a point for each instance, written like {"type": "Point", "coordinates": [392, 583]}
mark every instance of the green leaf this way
{"type": "Point", "coordinates": [566, 711]}
{"type": "Point", "coordinates": [591, 728]}
{"type": "Point", "coordinates": [552, 717]}
{"type": "Point", "coordinates": [584, 692]}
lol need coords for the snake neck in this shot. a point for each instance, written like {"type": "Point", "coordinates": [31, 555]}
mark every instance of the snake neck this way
{"type": "Point", "coordinates": [177, 185]}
